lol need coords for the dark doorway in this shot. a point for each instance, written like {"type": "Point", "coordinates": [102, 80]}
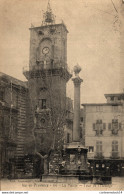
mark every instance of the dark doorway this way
{"type": "Point", "coordinates": [115, 168]}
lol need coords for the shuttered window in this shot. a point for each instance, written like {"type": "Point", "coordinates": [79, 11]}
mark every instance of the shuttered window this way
{"type": "Point", "coordinates": [99, 146]}
{"type": "Point", "coordinates": [99, 126]}
{"type": "Point", "coordinates": [120, 126]}
{"type": "Point", "coordinates": [115, 124]}
{"type": "Point", "coordinates": [114, 146]}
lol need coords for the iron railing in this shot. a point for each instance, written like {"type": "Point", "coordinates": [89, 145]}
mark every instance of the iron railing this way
{"type": "Point", "coordinates": [98, 155]}
{"type": "Point", "coordinates": [42, 66]}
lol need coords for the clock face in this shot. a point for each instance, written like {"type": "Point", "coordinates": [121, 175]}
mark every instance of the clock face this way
{"type": "Point", "coordinates": [45, 50]}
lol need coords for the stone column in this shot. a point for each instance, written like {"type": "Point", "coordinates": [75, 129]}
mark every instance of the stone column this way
{"type": "Point", "coordinates": [76, 122]}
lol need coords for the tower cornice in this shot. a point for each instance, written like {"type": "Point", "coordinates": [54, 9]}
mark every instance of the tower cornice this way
{"type": "Point", "coordinates": [51, 25]}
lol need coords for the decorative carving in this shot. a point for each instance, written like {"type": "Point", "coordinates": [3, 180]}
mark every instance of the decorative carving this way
{"type": "Point", "coordinates": [77, 69]}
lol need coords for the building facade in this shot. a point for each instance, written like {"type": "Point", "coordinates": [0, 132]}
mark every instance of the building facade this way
{"type": "Point", "coordinates": [13, 98]}
{"type": "Point", "coordinates": [104, 134]}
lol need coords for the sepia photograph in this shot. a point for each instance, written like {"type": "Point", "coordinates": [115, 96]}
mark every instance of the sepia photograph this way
{"type": "Point", "coordinates": [61, 95]}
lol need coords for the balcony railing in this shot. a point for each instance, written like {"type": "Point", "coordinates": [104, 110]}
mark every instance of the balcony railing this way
{"type": "Point", "coordinates": [40, 65]}
{"type": "Point", "coordinates": [99, 155]}
{"type": "Point", "coordinates": [115, 155]}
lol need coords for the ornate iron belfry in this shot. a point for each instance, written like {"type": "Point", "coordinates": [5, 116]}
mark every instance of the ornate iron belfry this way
{"type": "Point", "coordinates": [48, 16]}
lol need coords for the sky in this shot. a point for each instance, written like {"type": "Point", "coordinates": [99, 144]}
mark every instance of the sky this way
{"type": "Point", "coordinates": [95, 41]}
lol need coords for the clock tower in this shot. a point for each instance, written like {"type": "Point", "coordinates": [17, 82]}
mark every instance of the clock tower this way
{"type": "Point", "coordinates": [48, 74]}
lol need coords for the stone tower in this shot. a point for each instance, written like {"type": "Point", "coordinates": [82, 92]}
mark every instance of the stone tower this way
{"type": "Point", "coordinates": [47, 75]}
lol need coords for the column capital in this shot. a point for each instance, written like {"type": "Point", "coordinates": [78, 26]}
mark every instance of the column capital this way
{"type": "Point", "coordinates": [77, 81]}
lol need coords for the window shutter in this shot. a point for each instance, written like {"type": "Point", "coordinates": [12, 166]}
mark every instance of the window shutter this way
{"type": "Point", "coordinates": [104, 126]}
{"type": "Point", "coordinates": [120, 126]}
{"type": "Point", "coordinates": [109, 126]}
{"type": "Point", "coordinates": [94, 126]}
{"type": "Point", "coordinates": [97, 147]}
{"type": "Point", "coordinates": [101, 127]}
